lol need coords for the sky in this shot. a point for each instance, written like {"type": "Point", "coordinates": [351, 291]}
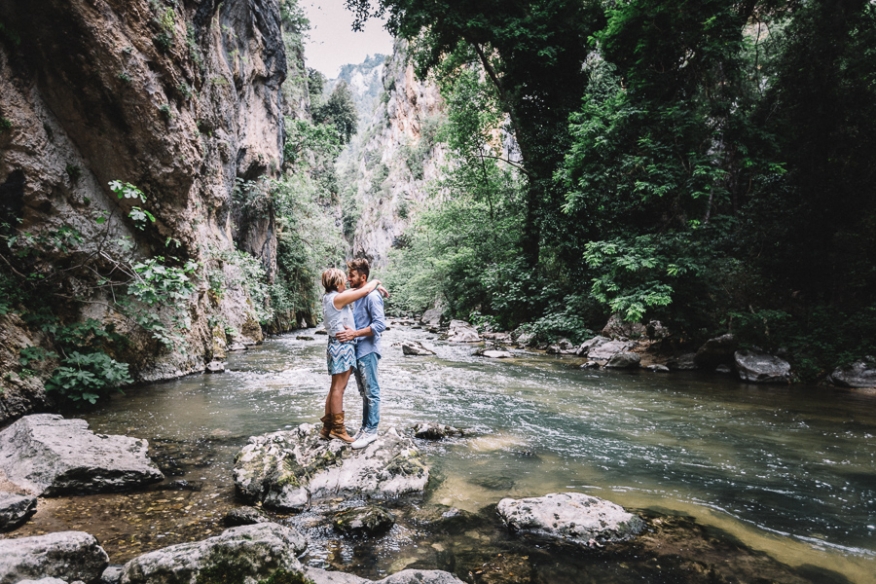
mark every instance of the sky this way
{"type": "Point", "coordinates": [332, 41]}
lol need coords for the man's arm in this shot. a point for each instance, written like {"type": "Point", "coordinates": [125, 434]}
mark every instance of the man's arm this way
{"type": "Point", "coordinates": [378, 321]}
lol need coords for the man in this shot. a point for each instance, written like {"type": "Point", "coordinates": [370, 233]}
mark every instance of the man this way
{"type": "Point", "coordinates": [370, 323]}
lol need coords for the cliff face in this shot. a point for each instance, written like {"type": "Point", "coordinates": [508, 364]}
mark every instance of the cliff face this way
{"type": "Point", "coordinates": [180, 98]}
{"type": "Point", "coordinates": [392, 159]}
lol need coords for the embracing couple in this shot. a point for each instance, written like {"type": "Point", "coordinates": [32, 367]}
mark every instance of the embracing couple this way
{"type": "Point", "coordinates": [354, 321]}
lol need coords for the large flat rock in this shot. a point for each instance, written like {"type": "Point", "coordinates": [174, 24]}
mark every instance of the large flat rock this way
{"type": "Point", "coordinates": [858, 374]}
{"type": "Point", "coordinates": [289, 469]}
{"type": "Point", "coordinates": [48, 455]}
{"type": "Point", "coordinates": [756, 367]}
{"type": "Point", "coordinates": [237, 554]}
{"type": "Point", "coordinates": [67, 555]}
{"type": "Point", "coordinates": [570, 517]}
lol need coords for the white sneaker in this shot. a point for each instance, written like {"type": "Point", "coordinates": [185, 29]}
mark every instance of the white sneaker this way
{"type": "Point", "coordinates": [367, 437]}
{"type": "Point", "coordinates": [358, 433]}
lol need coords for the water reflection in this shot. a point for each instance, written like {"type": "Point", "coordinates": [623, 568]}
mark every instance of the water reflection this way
{"type": "Point", "coordinates": [789, 470]}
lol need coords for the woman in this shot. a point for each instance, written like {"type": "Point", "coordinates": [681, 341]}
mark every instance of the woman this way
{"type": "Point", "coordinates": [337, 311]}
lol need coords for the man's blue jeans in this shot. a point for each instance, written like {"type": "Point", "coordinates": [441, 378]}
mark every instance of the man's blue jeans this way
{"type": "Point", "coordinates": [366, 379]}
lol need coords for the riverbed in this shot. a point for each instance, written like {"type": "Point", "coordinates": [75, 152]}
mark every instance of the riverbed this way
{"type": "Point", "coordinates": [787, 472]}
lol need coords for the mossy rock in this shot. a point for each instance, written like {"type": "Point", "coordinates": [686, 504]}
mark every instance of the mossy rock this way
{"type": "Point", "coordinates": [371, 520]}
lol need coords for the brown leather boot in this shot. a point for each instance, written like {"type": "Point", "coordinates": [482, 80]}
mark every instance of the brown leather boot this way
{"type": "Point", "coordinates": [326, 427]}
{"type": "Point", "coordinates": [339, 431]}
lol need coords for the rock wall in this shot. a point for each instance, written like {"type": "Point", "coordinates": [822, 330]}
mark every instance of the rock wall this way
{"type": "Point", "coordinates": [178, 97]}
{"type": "Point", "coordinates": [393, 157]}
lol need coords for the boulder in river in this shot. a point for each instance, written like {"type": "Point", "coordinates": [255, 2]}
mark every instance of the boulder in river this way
{"type": "Point", "coordinates": [858, 374]}
{"type": "Point", "coordinates": [433, 431]}
{"type": "Point", "coordinates": [762, 368]}
{"type": "Point", "coordinates": [462, 332]}
{"type": "Point", "coordinates": [570, 517]}
{"type": "Point", "coordinates": [15, 510]}
{"type": "Point", "coordinates": [717, 351]}
{"type": "Point", "coordinates": [562, 347]}
{"type": "Point", "coordinates": [320, 576]}
{"type": "Point", "coordinates": [215, 367]}
{"type": "Point", "coordinates": [431, 317]}
{"type": "Point", "coordinates": [416, 349]}
{"type": "Point", "coordinates": [70, 555]}
{"type": "Point", "coordinates": [236, 555]}
{"type": "Point", "coordinates": [289, 469]}
{"type": "Point", "coordinates": [494, 354]}
{"type": "Point", "coordinates": [657, 368]}
{"type": "Point", "coordinates": [603, 348]}
{"type": "Point", "coordinates": [683, 362]}
{"type": "Point", "coordinates": [48, 455]}
{"type": "Point", "coordinates": [370, 520]}
{"type": "Point", "coordinates": [245, 516]}
{"type": "Point", "coordinates": [525, 339]}
{"type": "Point", "coordinates": [624, 360]}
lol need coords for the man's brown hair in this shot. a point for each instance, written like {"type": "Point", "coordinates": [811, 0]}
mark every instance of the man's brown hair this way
{"type": "Point", "coordinates": [360, 265]}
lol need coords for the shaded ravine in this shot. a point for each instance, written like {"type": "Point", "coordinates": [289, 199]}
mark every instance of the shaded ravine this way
{"type": "Point", "coordinates": [788, 471]}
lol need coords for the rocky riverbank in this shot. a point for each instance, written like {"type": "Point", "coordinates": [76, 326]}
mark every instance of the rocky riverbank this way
{"type": "Point", "coordinates": [348, 520]}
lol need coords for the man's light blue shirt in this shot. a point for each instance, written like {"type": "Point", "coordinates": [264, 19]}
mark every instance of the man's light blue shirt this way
{"type": "Point", "coordinates": [368, 311]}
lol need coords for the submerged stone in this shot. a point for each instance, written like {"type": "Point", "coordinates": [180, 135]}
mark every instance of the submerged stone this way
{"type": "Point", "coordinates": [289, 469]}
{"type": "Point", "coordinates": [237, 555]}
{"type": "Point", "coordinates": [570, 517]}
{"type": "Point", "coordinates": [71, 555]}
{"type": "Point", "coordinates": [320, 576]}
{"type": "Point", "coordinates": [415, 348]}
{"type": "Point", "coordinates": [49, 455]}
{"type": "Point", "coordinates": [434, 431]}
{"type": "Point", "coordinates": [368, 520]}
{"type": "Point", "coordinates": [624, 360]}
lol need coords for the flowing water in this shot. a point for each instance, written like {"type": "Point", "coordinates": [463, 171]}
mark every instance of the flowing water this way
{"type": "Point", "coordinates": [788, 471]}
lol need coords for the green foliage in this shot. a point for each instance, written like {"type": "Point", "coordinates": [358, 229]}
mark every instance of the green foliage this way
{"type": "Point", "coordinates": [5, 124]}
{"type": "Point", "coordinates": [339, 111]}
{"type": "Point", "coordinates": [88, 377]}
{"type": "Point", "coordinates": [74, 172]}
{"type": "Point", "coordinates": [165, 111]}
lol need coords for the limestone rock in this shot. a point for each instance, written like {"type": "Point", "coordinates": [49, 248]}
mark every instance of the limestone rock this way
{"type": "Point", "coordinates": [305, 338]}
{"type": "Point", "coordinates": [762, 368]}
{"type": "Point", "coordinates": [492, 354]}
{"type": "Point", "coordinates": [603, 351]}
{"type": "Point", "coordinates": [433, 431]}
{"type": "Point", "coordinates": [220, 343]}
{"type": "Point", "coordinates": [245, 516]}
{"type": "Point", "coordinates": [590, 344]}
{"type": "Point", "coordinates": [617, 327]}
{"type": "Point", "coordinates": [236, 347]}
{"type": "Point", "coordinates": [858, 374]}
{"type": "Point", "coordinates": [112, 575]}
{"type": "Point", "coordinates": [590, 365]}
{"type": "Point", "coordinates": [71, 555]}
{"type": "Point", "coordinates": [289, 469]}
{"type": "Point", "coordinates": [462, 332]}
{"type": "Point", "coordinates": [215, 367]}
{"type": "Point", "coordinates": [571, 517]}
{"type": "Point", "coordinates": [525, 339]}
{"type": "Point", "coordinates": [562, 347]}
{"type": "Point", "coordinates": [49, 455]}
{"type": "Point", "coordinates": [320, 576]}
{"type": "Point", "coordinates": [43, 581]}
{"type": "Point", "coordinates": [623, 360]}
{"type": "Point", "coordinates": [431, 317]}
{"type": "Point", "coordinates": [415, 348]}
{"type": "Point", "coordinates": [369, 520]}
{"type": "Point", "coordinates": [253, 551]}
{"type": "Point", "coordinates": [498, 338]}
{"type": "Point", "coordinates": [683, 362]}
{"type": "Point", "coordinates": [15, 510]}
{"type": "Point", "coordinates": [717, 351]}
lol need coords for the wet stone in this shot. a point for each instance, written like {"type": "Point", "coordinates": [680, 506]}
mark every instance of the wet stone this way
{"type": "Point", "coordinates": [291, 469]}
{"type": "Point", "coordinates": [245, 516]}
{"type": "Point", "coordinates": [572, 518]}
{"type": "Point", "coordinates": [657, 368]}
{"type": "Point", "coordinates": [370, 520]}
{"type": "Point", "coordinates": [415, 349]}
{"type": "Point", "coordinates": [305, 338]}
{"type": "Point", "coordinates": [15, 510]}
{"type": "Point", "coordinates": [72, 555]}
{"type": "Point", "coordinates": [433, 431]}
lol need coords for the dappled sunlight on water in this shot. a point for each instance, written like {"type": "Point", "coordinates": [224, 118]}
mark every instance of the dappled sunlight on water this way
{"type": "Point", "coordinates": [790, 471]}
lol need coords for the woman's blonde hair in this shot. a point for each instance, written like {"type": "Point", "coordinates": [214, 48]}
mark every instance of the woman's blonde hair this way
{"type": "Point", "coordinates": [332, 278]}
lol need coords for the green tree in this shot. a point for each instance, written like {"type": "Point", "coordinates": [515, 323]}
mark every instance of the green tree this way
{"type": "Point", "coordinates": [340, 111]}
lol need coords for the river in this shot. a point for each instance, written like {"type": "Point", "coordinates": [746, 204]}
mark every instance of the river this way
{"type": "Point", "coordinates": [788, 471]}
